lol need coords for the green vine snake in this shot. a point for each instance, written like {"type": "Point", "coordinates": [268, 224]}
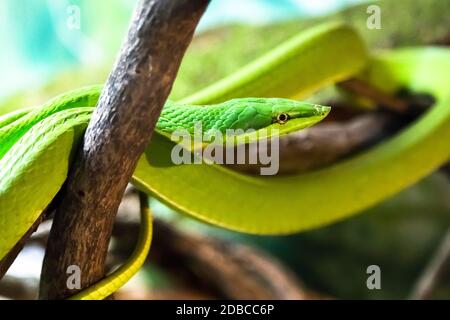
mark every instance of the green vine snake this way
{"type": "Point", "coordinates": [36, 145]}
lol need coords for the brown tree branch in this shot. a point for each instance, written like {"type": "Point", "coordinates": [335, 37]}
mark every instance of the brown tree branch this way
{"type": "Point", "coordinates": [221, 268]}
{"type": "Point", "coordinates": [119, 130]}
{"type": "Point", "coordinates": [364, 89]}
{"type": "Point", "coordinates": [232, 270]}
{"type": "Point", "coordinates": [8, 260]}
{"type": "Point", "coordinates": [333, 140]}
{"type": "Point", "coordinates": [326, 143]}
{"type": "Point", "coordinates": [18, 288]}
{"type": "Point", "coordinates": [214, 266]}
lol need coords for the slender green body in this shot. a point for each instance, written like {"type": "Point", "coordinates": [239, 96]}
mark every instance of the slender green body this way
{"type": "Point", "coordinates": [243, 113]}
{"type": "Point", "coordinates": [37, 144]}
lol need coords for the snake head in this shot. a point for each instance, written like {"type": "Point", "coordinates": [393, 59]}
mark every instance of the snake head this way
{"type": "Point", "coordinates": [266, 114]}
{"type": "Point", "coordinates": [284, 110]}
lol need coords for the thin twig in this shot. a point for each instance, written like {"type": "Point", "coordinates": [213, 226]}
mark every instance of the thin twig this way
{"type": "Point", "coordinates": [434, 271]}
{"type": "Point", "coordinates": [364, 89]}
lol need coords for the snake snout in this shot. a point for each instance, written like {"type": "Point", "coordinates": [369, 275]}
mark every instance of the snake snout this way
{"type": "Point", "coordinates": [323, 110]}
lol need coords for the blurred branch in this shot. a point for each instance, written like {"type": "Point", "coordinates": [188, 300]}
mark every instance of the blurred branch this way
{"type": "Point", "coordinates": [8, 260]}
{"type": "Point", "coordinates": [215, 267]}
{"type": "Point", "coordinates": [361, 88]}
{"type": "Point", "coordinates": [326, 143]}
{"type": "Point", "coordinates": [434, 271]}
{"type": "Point", "coordinates": [231, 270]}
{"type": "Point", "coordinates": [446, 169]}
{"type": "Point", "coordinates": [445, 41]}
{"type": "Point", "coordinates": [18, 288]}
{"type": "Point", "coordinates": [331, 141]}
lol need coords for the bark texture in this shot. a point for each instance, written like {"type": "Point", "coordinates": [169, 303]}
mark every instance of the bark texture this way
{"type": "Point", "coordinates": [117, 135]}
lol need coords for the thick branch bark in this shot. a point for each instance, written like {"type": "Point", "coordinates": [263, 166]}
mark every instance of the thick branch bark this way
{"type": "Point", "coordinates": [119, 130]}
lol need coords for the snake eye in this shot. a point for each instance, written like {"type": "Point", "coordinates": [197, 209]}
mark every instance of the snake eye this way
{"type": "Point", "coordinates": [282, 118]}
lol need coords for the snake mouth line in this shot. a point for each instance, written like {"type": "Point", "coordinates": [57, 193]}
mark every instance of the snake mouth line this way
{"type": "Point", "coordinates": [323, 111]}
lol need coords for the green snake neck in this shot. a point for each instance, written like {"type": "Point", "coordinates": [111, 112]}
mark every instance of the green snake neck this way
{"type": "Point", "coordinates": [244, 114]}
